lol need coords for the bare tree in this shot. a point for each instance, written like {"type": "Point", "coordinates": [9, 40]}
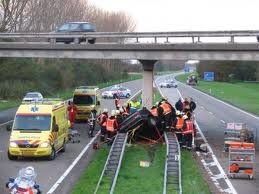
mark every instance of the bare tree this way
{"type": "Point", "coordinates": [11, 12]}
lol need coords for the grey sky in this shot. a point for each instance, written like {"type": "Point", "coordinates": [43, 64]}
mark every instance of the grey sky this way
{"type": "Point", "coordinates": [181, 15]}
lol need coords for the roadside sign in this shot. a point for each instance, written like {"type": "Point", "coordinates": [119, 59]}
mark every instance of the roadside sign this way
{"type": "Point", "coordinates": [186, 69]}
{"type": "Point", "coordinates": [209, 76]}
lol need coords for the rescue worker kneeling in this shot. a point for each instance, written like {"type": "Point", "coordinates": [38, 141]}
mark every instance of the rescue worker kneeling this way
{"type": "Point", "coordinates": [111, 127]}
{"type": "Point", "coordinates": [188, 131]}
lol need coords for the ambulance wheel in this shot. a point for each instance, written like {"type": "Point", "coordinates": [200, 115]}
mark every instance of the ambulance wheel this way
{"type": "Point", "coordinates": [52, 155]}
{"type": "Point", "coordinates": [64, 146]}
{"type": "Point", "coordinates": [11, 157]}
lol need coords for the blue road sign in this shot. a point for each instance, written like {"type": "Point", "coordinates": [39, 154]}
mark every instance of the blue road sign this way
{"type": "Point", "coordinates": [209, 76]}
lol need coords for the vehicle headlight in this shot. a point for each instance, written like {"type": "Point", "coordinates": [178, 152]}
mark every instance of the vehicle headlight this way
{"type": "Point", "coordinates": [13, 144]}
{"type": "Point", "coordinates": [44, 145]}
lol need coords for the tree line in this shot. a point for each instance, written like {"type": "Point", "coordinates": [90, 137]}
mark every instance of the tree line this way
{"type": "Point", "coordinates": [19, 76]}
{"type": "Point", "coordinates": [230, 70]}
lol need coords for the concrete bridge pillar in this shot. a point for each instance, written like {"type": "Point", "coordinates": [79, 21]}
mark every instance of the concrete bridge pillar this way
{"type": "Point", "coordinates": [148, 75]}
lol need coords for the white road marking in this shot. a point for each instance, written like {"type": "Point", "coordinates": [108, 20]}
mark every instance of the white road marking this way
{"type": "Point", "coordinates": [216, 162]}
{"type": "Point", "coordinates": [63, 176]}
{"type": "Point", "coordinates": [3, 124]}
{"type": "Point", "coordinates": [223, 102]}
{"type": "Point", "coordinates": [202, 107]}
{"type": "Point", "coordinates": [211, 113]}
{"type": "Point", "coordinates": [222, 121]}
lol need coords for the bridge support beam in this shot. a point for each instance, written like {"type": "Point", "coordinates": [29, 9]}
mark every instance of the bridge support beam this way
{"type": "Point", "coordinates": [148, 75]}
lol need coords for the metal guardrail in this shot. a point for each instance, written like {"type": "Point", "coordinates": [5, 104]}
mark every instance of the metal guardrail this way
{"type": "Point", "coordinates": [136, 35]}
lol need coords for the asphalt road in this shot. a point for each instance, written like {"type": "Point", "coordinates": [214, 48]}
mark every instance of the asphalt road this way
{"type": "Point", "coordinates": [212, 117]}
{"type": "Point", "coordinates": [48, 172]}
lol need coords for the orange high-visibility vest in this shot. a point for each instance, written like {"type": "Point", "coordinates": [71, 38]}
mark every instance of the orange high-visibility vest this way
{"type": "Point", "coordinates": [154, 112]}
{"type": "Point", "coordinates": [166, 107]}
{"type": "Point", "coordinates": [101, 118]}
{"type": "Point", "coordinates": [110, 125]}
{"type": "Point", "coordinates": [179, 124]}
{"type": "Point", "coordinates": [189, 127]}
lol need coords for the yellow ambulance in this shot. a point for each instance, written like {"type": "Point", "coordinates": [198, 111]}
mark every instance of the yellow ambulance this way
{"type": "Point", "coordinates": [39, 129]}
{"type": "Point", "coordinates": [86, 98]}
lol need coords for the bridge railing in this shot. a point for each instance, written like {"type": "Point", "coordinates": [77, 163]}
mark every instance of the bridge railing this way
{"type": "Point", "coordinates": [131, 35]}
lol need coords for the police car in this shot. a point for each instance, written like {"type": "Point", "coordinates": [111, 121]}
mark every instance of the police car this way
{"type": "Point", "coordinates": [168, 84]}
{"type": "Point", "coordinates": [118, 90]}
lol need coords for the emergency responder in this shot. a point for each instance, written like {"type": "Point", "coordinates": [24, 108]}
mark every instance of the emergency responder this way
{"type": "Point", "coordinates": [117, 101]}
{"type": "Point", "coordinates": [154, 111]}
{"type": "Point", "coordinates": [134, 105]}
{"type": "Point", "coordinates": [188, 132]}
{"type": "Point", "coordinates": [119, 117]}
{"type": "Point", "coordinates": [111, 127]}
{"type": "Point", "coordinates": [102, 119]}
{"type": "Point", "coordinates": [178, 126]}
{"type": "Point", "coordinates": [168, 111]}
{"type": "Point", "coordinates": [192, 105]}
{"type": "Point", "coordinates": [186, 105]}
{"type": "Point", "coordinates": [91, 122]}
{"type": "Point", "coordinates": [72, 109]}
{"type": "Point", "coordinates": [124, 114]}
{"type": "Point", "coordinates": [126, 108]}
{"type": "Point", "coordinates": [179, 105]}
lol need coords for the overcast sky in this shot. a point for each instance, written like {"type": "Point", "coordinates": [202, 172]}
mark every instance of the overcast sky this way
{"type": "Point", "coordinates": [182, 15]}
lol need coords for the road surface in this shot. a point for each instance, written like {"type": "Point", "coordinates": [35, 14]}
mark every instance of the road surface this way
{"type": "Point", "coordinates": [212, 117]}
{"type": "Point", "coordinates": [48, 172]}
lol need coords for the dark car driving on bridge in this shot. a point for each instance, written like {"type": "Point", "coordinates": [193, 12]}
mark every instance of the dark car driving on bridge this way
{"type": "Point", "coordinates": [70, 27]}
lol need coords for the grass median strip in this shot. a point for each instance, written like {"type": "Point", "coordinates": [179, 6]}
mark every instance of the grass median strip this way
{"type": "Point", "coordinates": [240, 94]}
{"type": "Point", "coordinates": [89, 179]}
{"type": "Point", "coordinates": [192, 180]}
{"type": "Point", "coordinates": [135, 179]}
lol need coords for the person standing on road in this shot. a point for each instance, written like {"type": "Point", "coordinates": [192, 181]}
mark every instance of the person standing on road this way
{"type": "Point", "coordinates": [117, 102]}
{"type": "Point", "coordinates": [192, 105]}
{"type": "Point", "coordinates": [102, 120]}
{"type": "Point", "coordinates": [72, 109]}
{"type": "Point", "coordinates": [188, 132]}
{"type": "Point", "coordinates": [91, 122]}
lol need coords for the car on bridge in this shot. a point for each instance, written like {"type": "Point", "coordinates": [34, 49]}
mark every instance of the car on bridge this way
{"type": "Point", "coordinates": [118, 90]}
{"type": "Point", "coordinates": [74, 27]}
{"type": "Point", "coordinates": [168, 84]}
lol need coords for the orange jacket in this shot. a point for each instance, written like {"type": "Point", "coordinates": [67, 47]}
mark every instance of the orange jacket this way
{"type": "Point", "coordinates": [179, 123]}
{"type": "Point", "coordinates": [102, 119]}
{"type": "Point", "coordinates": [111, 125]}
{"type": "Point", "coordinates": [189, 127]}
{"type": "Point", "coordinates": [166, 107]}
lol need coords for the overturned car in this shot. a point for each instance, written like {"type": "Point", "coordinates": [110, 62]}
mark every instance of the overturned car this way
{"type": "Point", "coordinates": [141, 125]}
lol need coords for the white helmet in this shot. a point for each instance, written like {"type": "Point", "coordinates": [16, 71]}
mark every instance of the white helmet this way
{"type": "Point", "coordinates": [105, 110]}
{"type": "Point", "coordinates": [117, 112]}
{"type": "Point", "coordinates": [178, 112]}
{"type": "Point", "coordinates": [113, 113]}
{"type": "Point", "coordinates": [185, 117]}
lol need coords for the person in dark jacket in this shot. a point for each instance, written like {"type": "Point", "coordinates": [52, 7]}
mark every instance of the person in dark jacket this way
{"type": "Point", "coordinates": [179, 105]}
{"type": "Point", "coordinates": [192, 105]}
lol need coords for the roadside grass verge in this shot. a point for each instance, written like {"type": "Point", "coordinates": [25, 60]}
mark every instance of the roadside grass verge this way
{"type": "Point", "coordinates": [89, 178]}
{"type": "Point", "coordinates": [67, 94]}
{"type": "Point", "coordinates": [135, 179]}
{"type": "Point", "coordinates": [241, 94]}
{"type": "Point", "coordinates": [192, 180]}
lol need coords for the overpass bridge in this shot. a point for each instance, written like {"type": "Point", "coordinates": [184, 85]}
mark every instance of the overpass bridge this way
{"type": "Point", "coordinates": [120, 46]}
